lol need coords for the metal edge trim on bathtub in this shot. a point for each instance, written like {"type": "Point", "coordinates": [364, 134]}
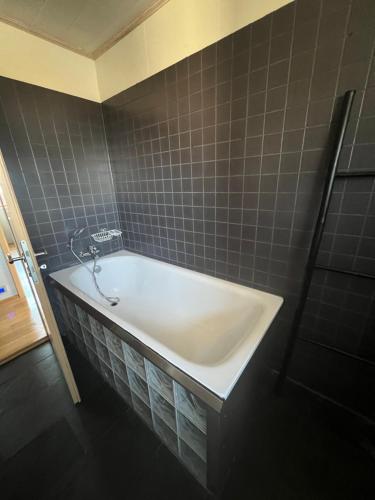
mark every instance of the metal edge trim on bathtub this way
{"type": "Point", "coordinates": [208, 397]}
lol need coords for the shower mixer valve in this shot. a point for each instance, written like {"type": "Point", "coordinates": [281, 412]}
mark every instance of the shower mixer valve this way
{"type": "Point", "coordinates": [92, 251]}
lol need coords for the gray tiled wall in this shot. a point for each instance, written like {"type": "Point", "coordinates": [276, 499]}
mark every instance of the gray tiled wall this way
{"type": "Point", "coordinates": [218, 163]}
{"type": "Point", "coordinates": [172, 412]}
{"type": "Point", "coordinates": [55, 149]}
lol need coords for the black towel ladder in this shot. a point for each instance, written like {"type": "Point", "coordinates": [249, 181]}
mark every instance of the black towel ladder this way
{"type": "Point", "coordinates": [332, 174]}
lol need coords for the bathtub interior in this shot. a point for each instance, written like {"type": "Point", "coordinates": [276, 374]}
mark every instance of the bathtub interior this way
{"type": "Point", "coordinates": [202, 321]}
{"type": "Point", "coordinates": [176, 415]}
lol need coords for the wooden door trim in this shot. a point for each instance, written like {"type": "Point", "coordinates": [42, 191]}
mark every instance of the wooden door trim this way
{"type": "Point", "coordinates": [19, 228]}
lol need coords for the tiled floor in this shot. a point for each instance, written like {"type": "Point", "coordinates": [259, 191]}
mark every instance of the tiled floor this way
{"type": "Point", "coordinates": [299, 447]}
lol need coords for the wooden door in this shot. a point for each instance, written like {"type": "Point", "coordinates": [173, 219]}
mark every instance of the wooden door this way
{"type": "Point", "coordinates": [23, 241]}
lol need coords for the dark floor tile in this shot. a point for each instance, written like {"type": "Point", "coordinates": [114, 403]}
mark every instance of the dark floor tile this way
{"type": "Point", "coordinates": [31, 401]}
{"type": "Point", "coordinates": [87, 379]}
{"type": "Point", "coordinates": [114, 468]}
{"type": "Point", "coordinates": [165, 478]}
{"type": "Point", "coordinates": [290, 455]}
{"type": "Point", "coordinates": [13, 368]}
{"type": "Point", "coordinates": [96, 414]}
{"type": "Point", "coordinates": [100, 407]}
{"type": "Point", "coordinates": [33, 472]}
{"type": "Point", "coordinates": [297, 446]}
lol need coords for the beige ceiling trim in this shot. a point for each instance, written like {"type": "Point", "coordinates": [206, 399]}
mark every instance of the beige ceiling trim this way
{"type": "Point", "coordinates": [106, 45]}
{"type": "Point", "coordinates": [128, 28]}
{"type": "Point", "coordinates": [48, 38]}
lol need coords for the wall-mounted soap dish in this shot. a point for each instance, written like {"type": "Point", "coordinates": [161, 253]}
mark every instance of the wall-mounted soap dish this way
{"type": "Point", "coordinates": [105, 235]}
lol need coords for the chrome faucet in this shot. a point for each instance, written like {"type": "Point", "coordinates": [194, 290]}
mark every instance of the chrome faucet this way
{"type": "Point", "coordinates": [92, 252]}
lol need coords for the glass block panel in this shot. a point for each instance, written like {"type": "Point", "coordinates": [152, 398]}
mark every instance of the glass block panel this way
{"type": "Point", "coordinates": [107, 373]}
{"type": "Point", "coordinates": [134, 360]}
{"type": "Point", "coordinates": [81, 346]}
{"type": "Point", "coordinates": [67, 319]}
{"type": "Point", "coordinates": [178, 417]}
{"type": "Point", "coordinates": [71, 336]}
{"type": "Point", "coordinates": [166, 434]}
{"type": "Point", "coordinates": [63, 309]}
{"type": "Point", "coordinates": [82, 315]}
{"type": "Point", "coordinates": [102, 352]}
{"type": "Point", "coordinates": [96, 329]}
{"type": "Point", "coordinates": [94, 360]}
{"type": "Point", "coordinates": [70, 308]}
{"type": "Point", "coordinates": [139, 386]}
{"type": "Point", "coordinates": [123, 390]}
{"type": "Point", "coordinates": [190, 406]}
{"type": "Point", "coordinates": [60, 301]}
{"type": "Point", "coordinates": [143, 410]}
{"type": "Point", "coordinates": [119, 367]}
{"type": "Point", "coordinates": [159, 381]}
{"type": "Point", "coordinates": [89, 339]}
{"type": "Point", "coordinates": [163, 408]}
{"type": "Point", "coordinates": [191, 435]}
{"type": "Point", "coordinates": [76, 327]}
{"type": "Point", "coordinates": [114, 344]}
{"type": "Point", "coordinates": [192, 461]}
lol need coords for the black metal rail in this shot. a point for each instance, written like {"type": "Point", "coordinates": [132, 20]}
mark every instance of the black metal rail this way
{"type": "Point", "coordinates": [357, 274]}
{"type": "Point", "coordinates": [318, 233]}
{"type": "Point", "coordinates": [356, 173]}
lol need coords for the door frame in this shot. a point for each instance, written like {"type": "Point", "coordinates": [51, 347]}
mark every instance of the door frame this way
{"type": "Point", "coordinates": [20, 232]}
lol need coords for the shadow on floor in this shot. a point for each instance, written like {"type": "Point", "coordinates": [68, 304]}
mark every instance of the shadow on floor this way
{"type": "Point", "coordinates": [299, 447]}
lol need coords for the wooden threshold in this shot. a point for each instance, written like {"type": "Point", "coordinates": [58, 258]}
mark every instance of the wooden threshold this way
{"type": "Point", "coordinates": [25, 349]}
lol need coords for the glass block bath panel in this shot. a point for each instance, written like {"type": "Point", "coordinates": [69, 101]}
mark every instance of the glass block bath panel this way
{"type": "Point", "coordinates": [176, 416]}
{"type": "Point", "coordinates": [160, 381]}
{"type": "Point", "coordinates": [97, 329]}
{"type": "Point", "coordinates": [82, 316]}
{"type": "Point", "coordinates": [81, 346]}
{"type": "Point", "coordinates": [163, 408]}
{"type": "Point", "coordinates": [89, 339]}
{"type": "Point", "coordinates": [123, 390]}
{"type": "Point", "coordinates": [114, 344]}
{"type": "Point", "coordinates": [191, 407]}
{"type": "Point", "coordinates": [165, 433]}
{"type": "Point", "coordinates": [192, 461]}
{"type": "Point", "coordinates": [76, 326]}
{"type": "Point", "coordinates": [191, 435]}
{"type": "Point", "coordinates": [135, 361]}
{"type": "Point", "coordinates": [63, 310]}
{"type": "Point", "coordinates": [142, 409]}
{"type": "Point", "coordinates": [102, 352]}
{"type": "Point", "coordinates": [119, 367]}
{"type": "Point", "coordinates": [94, 360]}
{"type": "Point", "coordinates": [70, 308]}
{"type": "Point", "coordinates": [107, 373]}
{"type": "Point", "coordinates": [138, 386]}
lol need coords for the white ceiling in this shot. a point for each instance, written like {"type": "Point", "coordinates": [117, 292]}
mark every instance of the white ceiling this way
{"type": "Point", "coordinates": [88, 27]}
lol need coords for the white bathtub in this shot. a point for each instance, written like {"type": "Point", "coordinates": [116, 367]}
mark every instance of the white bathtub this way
{"type": "Point", "coordinates": [207, 327]}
